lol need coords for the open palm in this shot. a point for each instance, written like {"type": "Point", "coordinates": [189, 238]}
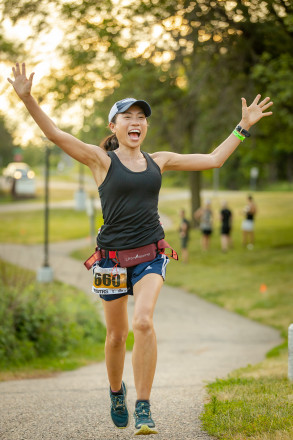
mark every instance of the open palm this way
{"type": "Point", "coordinates": [256, 110]}
{"type": "Point", "coordinates": [21, 84]}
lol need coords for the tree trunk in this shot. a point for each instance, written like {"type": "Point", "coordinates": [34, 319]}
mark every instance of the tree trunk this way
{"type": "Point", "coordinates": [273, 172]}
{"type": "Point", "coordinates": [289, 167]}
{"type": "Point", "coordinates": [195, 184]}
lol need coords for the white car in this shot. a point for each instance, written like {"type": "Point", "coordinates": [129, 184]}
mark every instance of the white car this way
{"type": "Point", "coordinates": [20, 178]}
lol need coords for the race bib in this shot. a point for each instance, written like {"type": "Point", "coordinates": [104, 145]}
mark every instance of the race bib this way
{"type": "Point", "coordinates": [110, 280]}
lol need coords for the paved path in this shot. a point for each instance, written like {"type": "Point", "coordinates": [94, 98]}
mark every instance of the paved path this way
{"type": "Point", "coordinates": [197, 343]}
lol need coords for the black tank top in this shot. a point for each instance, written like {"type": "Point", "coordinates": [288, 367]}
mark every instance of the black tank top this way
{"type": "Point", "coordinates": [226, 215]}
{"type": "Point", "coordinates": [129, 202]}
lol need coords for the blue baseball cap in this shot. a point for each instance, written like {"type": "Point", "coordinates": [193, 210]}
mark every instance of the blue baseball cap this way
{"type": "Point", "coordinates": [124, 104]}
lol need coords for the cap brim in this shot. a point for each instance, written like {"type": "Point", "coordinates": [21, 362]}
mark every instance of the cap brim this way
{"type": "Point", "coordinates": [142, 104]}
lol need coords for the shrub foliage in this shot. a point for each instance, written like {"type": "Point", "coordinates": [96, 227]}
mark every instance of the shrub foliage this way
{"type": "Point", "coordinates": [39, 320]}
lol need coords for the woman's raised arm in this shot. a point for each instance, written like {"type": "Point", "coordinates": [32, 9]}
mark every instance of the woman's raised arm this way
{"type": "Point", "coordinates": [87, 154]}
{"type": "Point", "coordinates": [197, 162]}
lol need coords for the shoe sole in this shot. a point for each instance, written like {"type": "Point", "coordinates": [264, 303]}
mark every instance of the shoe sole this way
{"type": "Point", "coordinates": [123, 427]}
{"type": "Point", "coordinates": [146, 430]}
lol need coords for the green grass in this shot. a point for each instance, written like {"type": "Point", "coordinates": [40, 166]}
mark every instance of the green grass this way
{"type": "Point", "coordinates": [46, 366]}
{"type": "Point", "coordinates": [28, 227]}
{"type": "Point", "coordinates": [5, 198]}
{"type": "Point", "coordinates": [233, 280]}
{"type": "Point", "coordinates": [248, 408]}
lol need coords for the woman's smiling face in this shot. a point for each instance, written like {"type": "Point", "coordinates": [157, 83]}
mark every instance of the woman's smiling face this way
{"type": "Point", "coordinates": [130, 127]}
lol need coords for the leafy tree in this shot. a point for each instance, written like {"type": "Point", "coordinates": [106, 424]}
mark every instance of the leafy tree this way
{"type": "Point", "coordinates": [192, 60]}
{"type": "Point", "coordinates": [6, 144]}
{"type": "Point", "coordinates": [275, 75]}
{"type": "Point", "coordinates": [206, 56]}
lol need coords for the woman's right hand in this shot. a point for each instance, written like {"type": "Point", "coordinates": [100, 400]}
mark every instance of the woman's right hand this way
{"type": "Point", "coordinates": [21, 84]}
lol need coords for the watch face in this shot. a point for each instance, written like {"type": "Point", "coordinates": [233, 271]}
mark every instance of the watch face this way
{"type": "Point", "coordinates": [242, 131]}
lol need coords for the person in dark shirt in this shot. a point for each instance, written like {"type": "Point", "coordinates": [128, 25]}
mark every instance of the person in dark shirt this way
{"type": "Point", "coordinates": [226, 226]}
{"type": "Point", "coordinates": [184, 235]}
{"type": "Point", "coordinates": [126, 226]}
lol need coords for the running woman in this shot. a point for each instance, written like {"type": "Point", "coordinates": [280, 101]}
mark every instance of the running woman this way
{"type": "Point", "coordinates": [184, 235]}
{"type": "Point", "coordinates": [129, 181]}
{"type": "Point", "coordinates": [226, 226]}
{"type": "Point", "coordinates": [249, 213]}
{"type": "Point", "coordinates": [205, 216]}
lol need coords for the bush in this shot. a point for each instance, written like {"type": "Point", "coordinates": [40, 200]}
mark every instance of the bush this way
{"type": "Point", "coordinates": [43, 320]}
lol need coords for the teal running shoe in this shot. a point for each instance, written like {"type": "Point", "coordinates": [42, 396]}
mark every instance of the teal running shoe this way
{"type": "Point", "coordinates": [143, 419]}
{"type": "Point", "coordinates": [119, 411]}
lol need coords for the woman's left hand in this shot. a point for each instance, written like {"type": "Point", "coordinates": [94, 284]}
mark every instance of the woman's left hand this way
{"type": "Point", "coordinates": [21, 84]}
{"type": "Point", "coordinates": [256, 111]}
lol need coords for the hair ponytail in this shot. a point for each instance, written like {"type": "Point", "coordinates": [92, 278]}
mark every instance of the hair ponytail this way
{"type": "Point", "coordinates": [110, 143]}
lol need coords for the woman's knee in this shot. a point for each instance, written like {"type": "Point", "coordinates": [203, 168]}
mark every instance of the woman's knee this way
{"type": "Point", "coordinates": [142, 323]}
{"type": "Point", "coordinates": [116, 338]}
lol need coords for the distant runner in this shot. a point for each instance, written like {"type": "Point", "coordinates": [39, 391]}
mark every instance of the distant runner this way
{"type": "Point", "coordinates": [249, 213]}
{"type": "Point", "coordinates": [184, 235]}
{"type": "Point", "coordinates": [226, 226]}
{"type": "Point", "coordinates": [205, 217]}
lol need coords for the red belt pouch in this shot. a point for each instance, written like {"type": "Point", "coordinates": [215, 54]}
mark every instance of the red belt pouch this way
{"type": "Point", "coordinates": [132, 257]}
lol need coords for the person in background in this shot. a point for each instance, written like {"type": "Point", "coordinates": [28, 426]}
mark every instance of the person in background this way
{"type": "Point", "coordinates": [226, 225]}
{"type": "Point", "coordinates": [249, 212]}
{"type": "Point", "coordinates": [184, 235]}
{"type": "Point", "coordinates": [205, 217]}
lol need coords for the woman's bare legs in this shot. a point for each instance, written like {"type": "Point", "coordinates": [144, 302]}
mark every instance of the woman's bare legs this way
{"type": "Point", "coordinates": [244, 235]}
{"type": "Point", "coordinates": [225, 241]}
{"type": "Point", "coordinates": [117, 330]}
{"type": "Point", "coordinates": [248, 238]}
{"type": "Point", "coordinates": [144, 356]}
{"type": "Point", "coordinates": [205, 241]}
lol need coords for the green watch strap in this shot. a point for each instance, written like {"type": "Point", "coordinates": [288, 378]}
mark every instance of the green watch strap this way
{"type": "Point", "coordinates": [238, 135]}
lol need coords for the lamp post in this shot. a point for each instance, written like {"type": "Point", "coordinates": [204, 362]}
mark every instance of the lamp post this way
{"type": "Point", "coordinates": [254, 172]}
{"type": "Point", "coordinates": [80, 195]}
{"type": "Point", "coordinates": [45, 273]}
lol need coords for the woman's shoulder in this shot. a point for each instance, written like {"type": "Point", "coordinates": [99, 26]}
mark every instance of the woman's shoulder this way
{"type": "Point", "coordinates": [160, 155]}
{"type": "Point", "coordinates": [161, 158]}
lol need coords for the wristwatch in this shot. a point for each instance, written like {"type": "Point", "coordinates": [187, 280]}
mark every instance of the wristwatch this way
{"type": "Point", "coordinates": [242, 131]}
